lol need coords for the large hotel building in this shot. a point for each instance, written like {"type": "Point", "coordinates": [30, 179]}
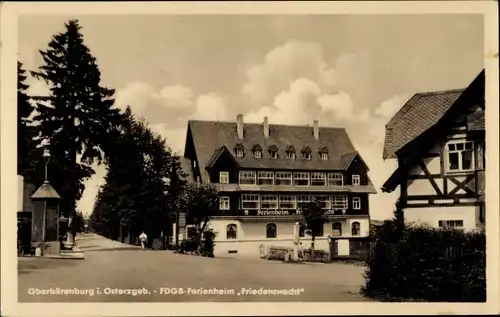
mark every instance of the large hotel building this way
{"type": "Point", "coordinates": [264, 172]}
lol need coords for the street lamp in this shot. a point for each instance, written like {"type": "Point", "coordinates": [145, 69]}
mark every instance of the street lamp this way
{"type": "Point", "coordinates": [45, 218]}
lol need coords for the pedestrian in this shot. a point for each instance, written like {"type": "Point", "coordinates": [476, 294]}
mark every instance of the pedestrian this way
{"type": "Point", "coordinates": [143, 238]}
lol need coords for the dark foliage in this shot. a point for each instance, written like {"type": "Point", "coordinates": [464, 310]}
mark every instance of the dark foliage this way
{"type": "Point", "coordinates": [76, 116]}
{"type": "Point", "coordinates": [426, 264]}
{"type": "Point", "coordinates": [135, 195]}
{"type": "Point", "coordinates": [200, 202]}
{"type": "Point", "coordinates": [28, 154]}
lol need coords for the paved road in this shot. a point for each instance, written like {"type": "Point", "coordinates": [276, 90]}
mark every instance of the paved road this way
{"type": "Point", "coordinates": [110, 265]}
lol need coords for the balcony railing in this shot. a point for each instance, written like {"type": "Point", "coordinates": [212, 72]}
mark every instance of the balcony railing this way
{"type": "Point", "coordinates": [233, 187]}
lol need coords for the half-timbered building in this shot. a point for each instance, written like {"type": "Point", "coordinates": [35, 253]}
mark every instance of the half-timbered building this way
{"type": "Point", "coordinates": [438, 139]}
{"type": "Point", "coordinates": [264, 172]}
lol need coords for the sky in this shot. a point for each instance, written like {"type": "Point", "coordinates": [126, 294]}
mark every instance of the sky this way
{"type": "Point", "coordinates": [352, 71]}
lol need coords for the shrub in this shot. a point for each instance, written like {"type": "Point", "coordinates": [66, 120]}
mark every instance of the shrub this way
{"type": "Point", "coordinates": [426, 264]}
{"type": "Point", "coordinates": [207, 245]}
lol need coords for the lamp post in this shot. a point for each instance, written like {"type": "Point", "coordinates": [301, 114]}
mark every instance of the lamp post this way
{"type": "Point", "coordinates": [45, 219]}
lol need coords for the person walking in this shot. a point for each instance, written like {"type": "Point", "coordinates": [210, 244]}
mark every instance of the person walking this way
{"type": "Point", "coordinates": [143, 238]}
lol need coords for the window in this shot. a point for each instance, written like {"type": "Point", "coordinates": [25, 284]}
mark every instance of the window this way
{"type": "Point", "coordinates": [271, 231]}
{"type": "Point", "coordinates": [290, 152]}
{"type": "Point", "coordinates": [247, 177]}
{"type": "Point", "coordinates": [231, 231]}
{"type": "Point", "coordinates": [336, 229]}
{"type": "Point", "coordinates": [287, 202]}
{"type": "Point", "coordinates": [269, 202]}
{"type": "Point", "coordinates": [356, 203]}
{"type": "Point", "coordinates": [324, 156]}
{"type": "Point", "coordinates": [302, 230]}
{"type": "Point", "coordinates": [273, 155]}
{"type": "Point", "coordinates": [451, 223]}
{"type": "Point", "coordinates": [323, 200]}
{"type": "Point", "coordinates": [194, 164]}
{"type": "Point", "coordinates": [266, 178]}
{"type": "Point", "coordinates": [339, 202]}
{"type": "Point", "coordinates": [306, 156]}
{"type": "Point", "coordinates": [301, 179]}
{"type": "Point", "coordinates": [224, 177]}
{"type": "Point", "coordinates": [239, 150]}
{"type": "Point", "coordinates": [249, 201]}
{"type": "Point", "coordinates": [283, 178]}
{"type": "Point", "coordinates": [355, 180]}
{"type": "Point", "coordinates": [460, 156]}
{"type": "Point", "coordinates": [257, 151]}
{"type": "Point", "coordinates": [335, 179]}
{"type": "Point", "coordinates": [224, 203]}
{"type": "Point", "coordinates": [318, 179]}
{"type": "Point", "coordinates": [303, 199]}
{"type": "Point", "coordinates": [355, 229]}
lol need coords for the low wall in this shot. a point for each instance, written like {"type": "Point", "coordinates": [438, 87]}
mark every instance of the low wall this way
{"type": "Point", "coordinates": [253, 247]}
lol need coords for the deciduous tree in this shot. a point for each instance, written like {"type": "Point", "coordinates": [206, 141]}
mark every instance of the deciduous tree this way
{"type": "Point", "coordinates": [200, 202]}
{"type": "Point", "coordinates": [314, 220]}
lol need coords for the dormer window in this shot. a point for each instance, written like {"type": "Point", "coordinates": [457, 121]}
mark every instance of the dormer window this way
{"type": "Point", "coordinates": [257, 151]}
{"type": "Point", "coordinates": [323, 153]}
{"type": "Point", "coordinates": [273, 152]}
{"type": "Point", "coordinates": [239, 150]}
{"type": "Point", "coordinates": [306, 153]}
{"type": "Point", "coordinates": [290, 152]}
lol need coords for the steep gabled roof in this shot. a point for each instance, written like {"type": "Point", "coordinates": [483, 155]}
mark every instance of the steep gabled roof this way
{"type": "Point", "coordinates": [419, 113]}
{"type": "Point", "coordinates": [349, 158]}
{"type": "Point", "coordinates": [209, 136]}
{"type": "Point", "coordinates": [217, 153]}
{"type": "Point", "coordinates": [473, 95]}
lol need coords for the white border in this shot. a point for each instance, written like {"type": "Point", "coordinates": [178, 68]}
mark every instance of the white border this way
{"type": "Point", "coordinates": [9, 14]}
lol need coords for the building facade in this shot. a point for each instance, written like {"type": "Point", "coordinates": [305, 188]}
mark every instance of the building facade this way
{"type": "Point", "coordinates": [265, 172]}
{"type": "Point", "coordinates": [438, 139]}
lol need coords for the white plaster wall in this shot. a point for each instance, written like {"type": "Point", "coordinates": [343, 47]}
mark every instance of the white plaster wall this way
{"type": "Point", "coordinates": [433, 164]}
{"type": "Point", "coordinates": [423, 187]}
{"type": "Point", "coordinates": [251, 235]}
{"type": "Point", "coordinates": [431, 215]}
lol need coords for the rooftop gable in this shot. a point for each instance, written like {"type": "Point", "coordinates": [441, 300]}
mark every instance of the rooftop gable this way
{"type": "Point", "coordinates": [419, 114]}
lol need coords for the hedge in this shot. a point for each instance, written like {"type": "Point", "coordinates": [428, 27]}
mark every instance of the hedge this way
{"type": "Point", "coordinates": [426, 264]}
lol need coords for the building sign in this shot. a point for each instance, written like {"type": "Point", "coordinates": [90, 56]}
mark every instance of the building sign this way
{"type": "Point", "coordinates": [282, 212]}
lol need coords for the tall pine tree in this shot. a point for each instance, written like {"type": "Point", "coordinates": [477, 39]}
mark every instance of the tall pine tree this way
{"type": "Point", "coordinates": [77, 115]}
{"type": "Point", "coordinates": [27, 153]}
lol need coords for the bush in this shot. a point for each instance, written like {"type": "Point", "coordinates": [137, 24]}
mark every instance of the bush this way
{"type": "Point", "coordinates": [193, 246]}
{"type": "Point", "coordinates": [426, 264]}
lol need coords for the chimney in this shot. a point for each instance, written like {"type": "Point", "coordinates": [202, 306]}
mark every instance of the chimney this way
{"type": "Point", "coordinates": [239, 126]}
{"type": "Point", "coordinates": [316, 129]}
{"type": "Point", "coordinates": [266, 127]}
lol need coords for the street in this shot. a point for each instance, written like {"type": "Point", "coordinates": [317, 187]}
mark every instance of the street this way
{"type": "Point", "coordinates": [111, 268]}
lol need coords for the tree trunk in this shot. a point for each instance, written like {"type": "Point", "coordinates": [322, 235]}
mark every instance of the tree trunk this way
{"type": "Point", "coordinates": [312, 247]}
